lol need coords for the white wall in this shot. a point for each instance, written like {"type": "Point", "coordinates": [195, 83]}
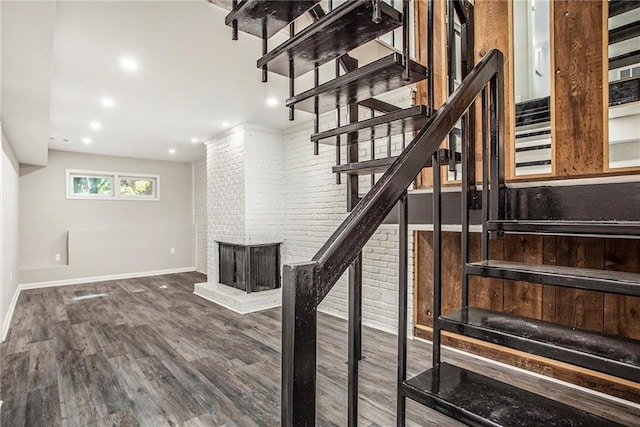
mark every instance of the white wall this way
{"type": "Point", "coordinates": [9, 233]}
{"type": "Point", "coordinates": [200, 213]}
{"type": "Point", "coordinates": [103, 237]}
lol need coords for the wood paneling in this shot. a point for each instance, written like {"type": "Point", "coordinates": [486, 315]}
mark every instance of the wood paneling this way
{"type": "Point", "coordinates": [579, 79]}
{"type": "Point", "coordinates": [485, 292]}
{"type": "Point", "coordinates": [622, 313]}
{"type": "Point", "coordinates": [493, 29]}
{"type": "Point", "coordinates": [574, 307]}
{"type": "Point", "coordinates": [521, 298]}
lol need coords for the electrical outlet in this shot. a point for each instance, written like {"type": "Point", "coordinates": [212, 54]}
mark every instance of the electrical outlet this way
{"type": "Point", "coordinates": [57, 257]}
{"type": "Point", "coordinates": [173, 251]}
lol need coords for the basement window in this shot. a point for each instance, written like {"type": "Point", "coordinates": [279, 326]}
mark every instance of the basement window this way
{"type": "Point", "coordinates": [94, 185]}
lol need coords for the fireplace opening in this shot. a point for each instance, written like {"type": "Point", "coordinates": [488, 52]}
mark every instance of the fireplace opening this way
{"type": "Point", "coordinates": [251, 268]}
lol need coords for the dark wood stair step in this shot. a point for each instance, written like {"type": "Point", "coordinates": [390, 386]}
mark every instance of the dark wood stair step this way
{"type": "Point", "coordinates": [383, 75]}
{"type": "Point", "coordinates": [624, 60]}
{"type": "Point", "coordinates": [618, 282]}
{"type": "Point", "coordinates": [346, 27]}
{"type": "Point", "coordinates": [575, 228]}
{"type": "Point", "coordinates": [396, 123]}
{"type": "Point", "coordinates": [609, 354]}
{"type": "Point", "coordinates": [381, 165]}
{"type": "Point", "coordinates": [617, 7]}
{"type": "Point", "coordinates": [277, 14]}
{"type": "Point", "coordinates": [624, 91]}
{"type": "Point", "coordinates": [624, 32]}
{"type": "Point", "coordinates": [478, 400]}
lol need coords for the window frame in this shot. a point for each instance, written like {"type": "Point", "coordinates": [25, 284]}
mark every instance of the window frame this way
{"type": "Point", "coordinates": [115, 187]}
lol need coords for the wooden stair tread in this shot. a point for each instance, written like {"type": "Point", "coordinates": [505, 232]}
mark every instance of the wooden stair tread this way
{"type": "Point", "coordinates": [592, 228]}
{"type": "Point", "coordinates": [479, 400]}
{"type": "Point", "coordinates": [624, 91]}
{"type": "Point", "coordinates": [380, 76]}
{"type": "Point", "coordinates": [609, 354]}
{"type": "Point", "coordinates": [396, 123]}
{"type": "Point", "coordinates": [367, 167]}
{"type": "Point", "coordinates": [617, 7]}
{"type": "Point", "coordinates": [619, 282]}
{"type": "Point", "coordinates": [346, 27]}
{"type": "Point", "coordinates": [277, 14]}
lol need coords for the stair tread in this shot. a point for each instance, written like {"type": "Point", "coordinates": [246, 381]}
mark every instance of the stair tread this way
{"type": "Point", "coordinates": [617, 7]}
{"type": "Point", "coordinates": [277, 14]}
{"type": "Point", "coordinates": [378, 77]}
{"type": "Point", "coordinates": [574, 277]}
{"type": "Point", "coordinates": [596, 228]}
{"type": "Point", "coordinates": [380, 165]}
{"type": "Point", "coordinates": [395, 123]}
{"type": "Point", "coordinates": [346, 27]}
{"type": "Point", "coordinates": [624, 60]}
{"type": "Point", "coordinates": [479, 400]}
{"type": "Point", "coordinates": [365, 167]}
{"type": "Point", "coordinates": [624, 91]}
{"type": "Point", "coordinates": [592, 350]}
{"type": "Point", "coordinates": [624, 32]}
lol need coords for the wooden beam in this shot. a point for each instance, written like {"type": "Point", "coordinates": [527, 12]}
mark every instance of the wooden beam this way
{"type": "Point", "coordinates": [578, 117]}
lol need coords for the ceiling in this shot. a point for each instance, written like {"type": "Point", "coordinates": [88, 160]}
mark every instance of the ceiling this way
{"type": "Point", "coordinates": [60, 59]}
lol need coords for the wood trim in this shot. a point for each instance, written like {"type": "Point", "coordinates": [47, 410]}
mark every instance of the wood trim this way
{"type": "Point", "coordinates": [578, 124]}
{"type": "Point", "coordinates": [552, 104]}
{"type": "Point", "coordinates": [582, 377]}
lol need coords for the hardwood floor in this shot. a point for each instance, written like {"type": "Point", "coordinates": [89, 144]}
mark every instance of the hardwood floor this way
{"type": "Point", "coordinates": [147, 352]}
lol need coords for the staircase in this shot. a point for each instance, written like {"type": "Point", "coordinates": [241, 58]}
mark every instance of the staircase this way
{"type": "Point", "coordinates": [461, 394]}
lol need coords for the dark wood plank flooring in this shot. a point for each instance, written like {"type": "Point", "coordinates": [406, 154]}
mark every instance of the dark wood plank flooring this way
{"type": "Point", "coordinates": [150, 353]}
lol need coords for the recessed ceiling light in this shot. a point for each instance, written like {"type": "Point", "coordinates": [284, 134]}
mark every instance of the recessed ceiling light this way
{"type": "Point", "coordinates": [87, 140]}
{"type": "Point", "coordinates": [95, 125]}
{"type": "Point", "coordinates": [172, 151]}
{"type": "Point", "coordinates": [128, 63]}
{"type": "Point", "coordinates": [195, 140]}
{"type": "Point", "coordinates": [272, 101]}
{"type": "Point", "coordinates": [225, 124]}
{"type": "Point", "coordinates": [107, 102]}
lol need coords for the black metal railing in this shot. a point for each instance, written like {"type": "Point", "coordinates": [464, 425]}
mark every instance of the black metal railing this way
{"type": "Point", "coordinates": [306, 284]}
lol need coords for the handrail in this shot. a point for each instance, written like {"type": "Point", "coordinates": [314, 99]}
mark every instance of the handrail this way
{"type": "Point", "coordinates": [348, 240]}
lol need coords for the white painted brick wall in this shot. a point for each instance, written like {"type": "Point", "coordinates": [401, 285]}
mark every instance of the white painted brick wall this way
{"type": "Point", "coordinates": [225, 195]}
{"type": "Point", "coordinates": [200, 213]}
{"type": "Point", "coordinates": [264, 186]}
{"type": "Point", "coordinates": [316, 206]}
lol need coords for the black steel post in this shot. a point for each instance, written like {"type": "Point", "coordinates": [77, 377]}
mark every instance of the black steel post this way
{"type": "Point", "coordinates": [373, 146]}
{"type": "Point", "coordinates": [403, 256]}
{"type": "Point", "coordinates": [430, 81]}
{"type": "Point", "coordinates": [264, 48]}
{"type": "Point", "coordinates": [338, 141]}
{"type": "Point", "coordinates": [234, 23]}
{"type": "Point", "coordinates": [485, 177]}
{"type": "Point", "coordinates": [437, 255]}
{"type": "Point", "coordinates": [451, 73]}
{"type": "Point", "coordinates": [377, 14]}
{"type": "Point", "coordinates": [299, 328]}
{"type": "Point", "coordinates": [405, 38]}
{"type": "Point", "coordinates": [355, 338]}
{"type": "Point", "coordinates": [316, 110]}
{"type": "Point", "coordinates": [292, 30]}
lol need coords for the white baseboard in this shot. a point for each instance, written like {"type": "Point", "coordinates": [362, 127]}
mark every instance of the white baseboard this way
{"type": "Point", "coordinates": [78, 281]}
{"type": "Point", "coordinates": [7, 318]}
{"type": "Point", "coordinates": [81, 280]}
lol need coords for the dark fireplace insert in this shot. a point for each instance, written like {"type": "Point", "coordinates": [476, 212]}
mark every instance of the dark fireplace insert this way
{"type": "Point", "coordinates": [251, 268]}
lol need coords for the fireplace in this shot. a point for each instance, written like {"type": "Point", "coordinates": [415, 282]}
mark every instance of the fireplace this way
{"type": "Point", "coordinates": [251, 268]}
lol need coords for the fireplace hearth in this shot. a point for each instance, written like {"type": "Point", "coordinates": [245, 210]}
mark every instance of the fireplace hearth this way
{"type": "Point", "coordinates": [251, 268]}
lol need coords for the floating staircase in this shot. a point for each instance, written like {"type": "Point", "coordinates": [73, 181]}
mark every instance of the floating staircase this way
{"type": "Point", "coordinates": [461, 394]}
